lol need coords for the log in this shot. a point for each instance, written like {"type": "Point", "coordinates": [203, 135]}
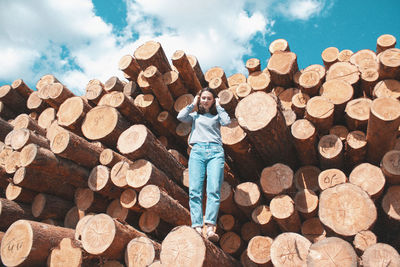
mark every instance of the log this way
{"type": "Point", "coordinates": [11, 211]}
{"type": "Point", "coordinates": [355, 149]}
{"type": "Point", "coordinates": [152, 53]}
{"type": "Point", "coordinates": [24, 121]}
{"type": "Point", "coordinates": [259, 251]}
{"type": "Point", "coordinates": [283, 211]}
{"type": "Point", "coordinates": [247, 197]}
{"type": "Point", "coordinates": [99, 181]}
{"type": "Point", "coordinates": [306, 203]}
{"type": "Point", "coordinates": [370, 178]}
{"type": "Point", "coordinates": [5, 128]}
{"type": "Point", "coordinates": [104, 124]}
{"type": "Point", "coordinates": [150, 222]}
{"type": "Point", "coordinates": [380, 254]}
{"type": "Point", "coordinates": [232, 244]}
{"type": "Point", "coordinates": [13, 162]}
{"type": "Point", "coordinates": [339, 93]}
{"type": "Point", "coordinates": [278, 45]}
{"type": "Point", "coordinates": [390, 166]}
{"type": "Point", "coordinates": [35, 103]}
{"type": "Point", "coordinates": [249, 230]}
{"type": "Point", "coordinates": [331, 177]}
{"type": "Point", "coordinates": [58, 94]}
{"type": "Point", "coordinates": [128, 200]}
{"type": "Point", "coordinates": [88, 201]}
{"type": "Point", "coordinates": [227, 222]}
{"type": "Point", "coordinates": [390, 204]}
{"type": "Point", "coordinates": [346, 209]}
{"type": "Point", "coordinates": [384, 42]}
{"type": "Point", "coordinates": [46, 79]}
{"type": "Point", "coordinates": [107, 237]}
{"type": "Point", "coordinates": [168, 122]}
{"type": "Point", "coordinates": [5, 112]}
{"type": "Point", "coordinates": [183, 101]}
{"type": "Point", "coordinates": [389, 64]}
{"type": "Point", "coordinates": [318, 68]}
{"type": "Point", "coordinates": [320, 111]}
{"type": "Point", "coordinates": [95, 91]}
{"type": "Point", "coordinates": [174, 82]}
{"type": "Point", "coordinates": [183, 246]}
{"type": "Point", "coordinates": [239, 148]}
{"type": "Point", "coordinates": [143, 84]}
{"type": "Point", "coordinates": [149, 106]}
{"type": "Point", "coordinates": [289, 249]}
{"type": "Point", "coordinates": [16, 193]}
{"type": "Point", "coordinates": [330, 152]}
{"type": "Point", "coordinates": [262, 216]}
{"type": "Point", "coordinates": [13, 99]}
{"type": "Point", "coordinates": [22, 89]}
{"type": "Point", "coordinates": [156, 200]}
{"type": "Point", "coordinates": [227, 203]}
{"type": "Point", "coordinates": [143, 172]}
{"type": "Point", "coordinates": [115, 210]}
{"type": "Point", "coordinates": [197, 69]}
{"type": "Point", "coordinates": [181, 61]}
{"type": "Point", "coordinates": [28, 243]}
{"type": "Point", "coordinates": [299, 103]}
{"type": "Point", "coordinates": [310, 82]}
{"type": "Point", "coordinates": [72, 112]}
{"type": "Point", "coordinates": [313, 230]}
{"type": "Point", "coordinates": [228, 101]}
{"type": "Point", "coordinates": [387, 88]}
{"type": "Point", "coordinates": [72, 217]}
{"type": "Point", "coordinates": [138, 142]}
{"type": "Point", "coordinates": [344, 55]}
{"type": "Point", "coordinates": [124, 104]}
{"type": "Point", "coordinates": [340, 131]}
{"type": "Point", "coordinates": [44, 161]}
{"type": "Point", "coordinates": [363, 240]}
{"type": "Point", "coordinates": [276, 179]}
{"type": "Point", "coordinates": [260, 81]}
{"type": "Point", "coordinates": [357, 114]}
{"type": "Point", "coordinates": [111, 263]}
{"type": "Point", "coordinates": [50, 207]}
{"type": "Point", "coordinates": [129, 65]}
{"type": "Point", "coordinates": [306, 177]}
{"type": "Point", "coordinates": [141, 252]}
{"type": "Point", "coordinates": [282, 67]}
{"type": "Point", "coordinates": [243, 90]}
{"type": "Point", "coordinates": [253, 65]}
{"type": "Point", "coordinates": [383, 123]}
{"type": "Point", "coordinates": [68, 253]}
{"type": "Point", "coordinates": [118, 174]}
{"type": "Point", "coordinates": [75, 148]}
{"type": "Point", "coordinates": [159, 88]}
{"type": "Point", "coordinates": [38, 181]}
{"type": "Point", "coordinates": [259, 116]}
{"type": "Point", "coordinates": [369, 79]}
{"type": "Point", "coordinates": [330, 56]}
{"type": "Point", "coordinates": [217, 85]}
{"type": "Point", "coordinates": [179, 157]}
{"type": "Point", "coordinates": [331, 251]}
{"type": "Point", "coordinates": [305, 139]}
{"type": "Point", "coordinates": [236, 79]}
{"type": "Point", "coordinates": [109, 157]}
{"type": "Point", "coordinates": [131, 89]}
{"type": "Point", "coordinates": [46, 117]}
{"type": "Point", "coordinates": [23, 137]}
{"type": "Point", "coordinates": [216, 72]}
{"type": "Point", "coordinates": [364, 59]}
{"type": "Point", "coordinates": [344, 71]}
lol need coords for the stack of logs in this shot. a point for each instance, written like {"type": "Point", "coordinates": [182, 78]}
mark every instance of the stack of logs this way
{"type": "Point", "coordinates": [312, 173]}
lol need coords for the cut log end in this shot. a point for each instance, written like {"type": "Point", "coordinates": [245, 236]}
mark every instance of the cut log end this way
{"type": "Point", "coordinates": [128, 198]}
{"type": "Point", "coordinates": [258, 249]}
{"type": "Point", "coordinates": [98, 237]}
{"type": "Point", "coordinates": [65, 255]}
{"type": "Point", "coordinates": [140, 251]}
{"type": "Point", "coordinates": [289, 249]}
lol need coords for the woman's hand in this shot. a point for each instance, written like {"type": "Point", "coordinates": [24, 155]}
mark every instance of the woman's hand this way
{"type": "Point", "coordinates": [195, 100]}
{"type": "Point", "coordinates": [217, 102]}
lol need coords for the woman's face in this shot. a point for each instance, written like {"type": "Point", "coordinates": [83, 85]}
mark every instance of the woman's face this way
{"type": "Point", "coordinates": [206, 100]}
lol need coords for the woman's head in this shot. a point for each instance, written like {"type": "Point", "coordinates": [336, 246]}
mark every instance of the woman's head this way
{"type": "Point", "coordinates": [207, 101]}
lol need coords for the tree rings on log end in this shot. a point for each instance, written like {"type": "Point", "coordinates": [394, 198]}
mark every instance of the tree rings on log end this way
{"type": "Point", "coordinates": [380, 254]}
{"type": "Point", "coordinates": [149, 196]}
{"type": "Point", "coordinates": [98, 234]}
{"type": "Point", "coordinates": [289, 249]}
{"type": "Point", "coordinates": [276, 179]}
{"type": "Point", "coordinates": [70, 111]}
{"type": "Point", "coordinates": [183, 247]}
{"type": "Point", "coordinates": [140, 252]}
{"type": "Point", "coordinates": [391, 202]}
{"type": "Point", "coordinates": [390, 166]}
{"type": "Point", "coordinates": [100, 122]}
{"type": "Point", "coordinates": [255, 111]}
{"type": "Point", "coordinates": [346, 209]}
{"type": "Point", "coordinates": [369, 177]}
{"type": "Point", "coordinates": [132, 138]}
{"type": "Point", "coordinates": [259, 249]}
{"type": "Point", "coordinates": [386, 109]}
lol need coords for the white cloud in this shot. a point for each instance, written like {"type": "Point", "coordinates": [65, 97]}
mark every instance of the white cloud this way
{"type": "Point", "coordinates": [301, 9]}
{"type": "Point", "coordinates": [67, 39]}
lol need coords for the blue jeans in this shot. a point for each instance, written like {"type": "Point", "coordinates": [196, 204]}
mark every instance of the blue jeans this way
{"type": "Point", "coordinates": [205, 158]}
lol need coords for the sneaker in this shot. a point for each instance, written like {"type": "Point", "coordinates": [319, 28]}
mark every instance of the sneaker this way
{"type": "Point", "coordinates": [199, 230]}
{"type": "Point", "coordinates": [211, 235]}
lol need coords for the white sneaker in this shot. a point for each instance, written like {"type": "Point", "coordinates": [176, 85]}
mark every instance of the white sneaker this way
{"type": "Point", "coordinates": [199, 230]}
{"type": "Point", "coordinates": [211, 235]}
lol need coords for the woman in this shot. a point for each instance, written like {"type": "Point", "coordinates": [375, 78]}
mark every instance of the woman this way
{"type": "Point", "coordinates": [206, 156]}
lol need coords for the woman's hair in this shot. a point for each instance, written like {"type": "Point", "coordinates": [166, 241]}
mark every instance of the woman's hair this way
{"type": "Point", "coordinates": [213, 108]}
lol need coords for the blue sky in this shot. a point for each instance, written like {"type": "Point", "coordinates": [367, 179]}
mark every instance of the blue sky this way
{"type": "Point", "coordinates": [79, 40]}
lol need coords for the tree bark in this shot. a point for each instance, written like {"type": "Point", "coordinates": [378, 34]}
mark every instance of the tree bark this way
{"type": "Point", "coordinates": [282, 66]}
{"type": "Point", "coordinates": [89, 201]}
{"type": "Point", "coordinates": [150, 222]}
{"type": "Point", "coordinates": [50, 207]}
{"type": "Point", "coordinates": [23, 137]}
{"type": "Point", "coordinates": [356, 149]}
{"type": "Point", "coordinates": [284, 212]}
{"type": "Point", "coordinates": [25, 121]}
{"type": "Point", "coordinates": [5, 128]}
{"type": "Point", "coordinates": [72, 112]}
{"type": "Point", "coordinates": [159, 88]}
{"type": "Point", "coordinates": [197, 69]}
{"type": "Point", "coordinates": [129, 65]}
{"type": "Point", "coordinates": [313, 230]}
{"type": "Point", "coordinates": [330, 152]}
{"type": "Point", "coordinates": [19, 194]}
{"type": "Point", "coordinates": [320, 111]}
{"type": "Point", "coordinates": [305, 139]}
{"type": "Point", "coordinates": [306, 203]}
{"type": "Point", "coordinates": [23, 90]}
{"type": "Point", "coordinates": [253, 65]}
{"type": "Point", "coordinates": [152, 53]}
{"type": "Point", "coordinates": [174, 82]}
{"type": "Point", "coordinates": [11, 211]}
{"type": "Point", "coordinates": [5, 112]}
{"type": "Point", "coordinates": [13, 99]}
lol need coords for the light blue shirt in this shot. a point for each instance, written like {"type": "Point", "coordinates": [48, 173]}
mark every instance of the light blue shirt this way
{"type": "Point", "coordinates": [205, 127]}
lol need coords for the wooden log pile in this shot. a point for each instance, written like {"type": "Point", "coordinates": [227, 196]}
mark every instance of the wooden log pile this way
{"type": "Point", "coordinates": [312, 173]}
